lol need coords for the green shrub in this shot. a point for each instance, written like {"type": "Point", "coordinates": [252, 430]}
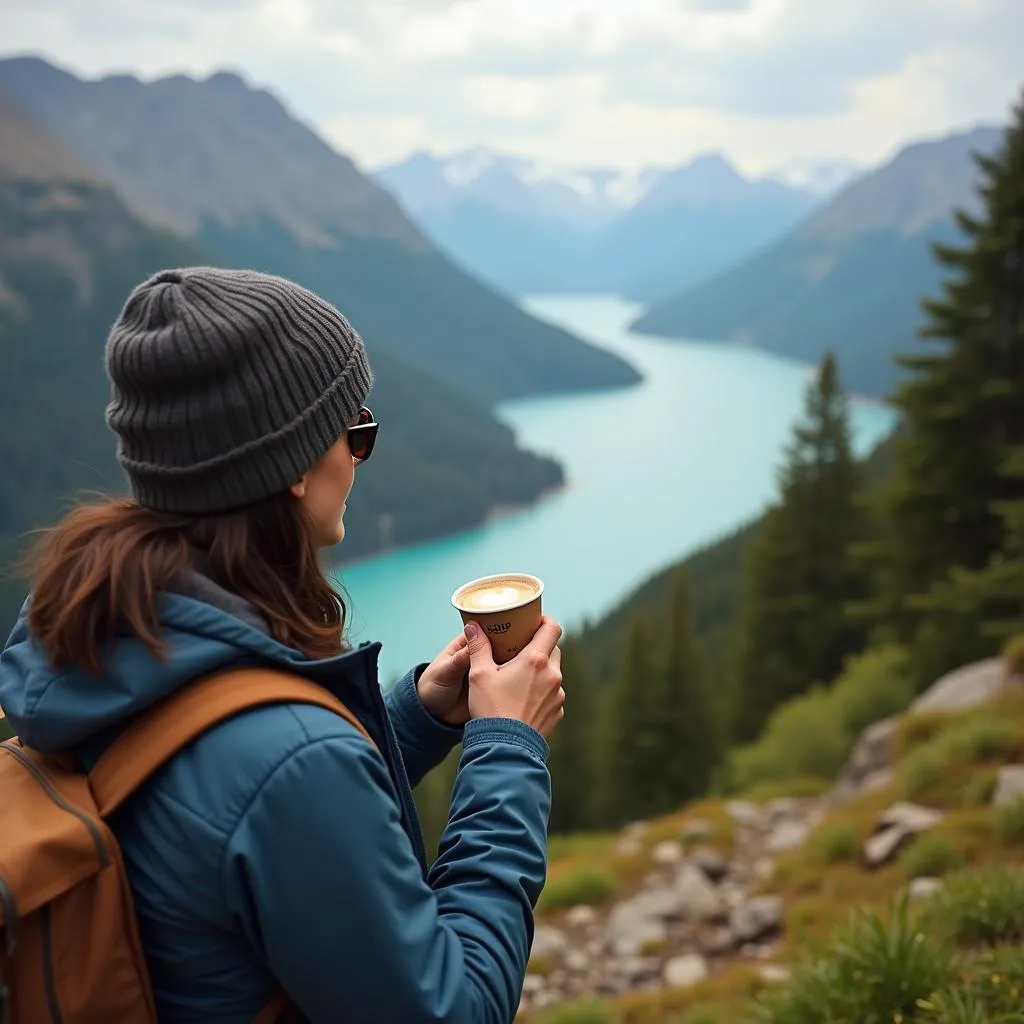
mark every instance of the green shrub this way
{"type": "Point", "coordinates": [925, 767]}
{"type": "Point", "coordinates": [977, 791]}
{"type": "Point", "coordinates": [1010, 821]}
{"type": "Point", "coordinates": [978, 908]}
{"type": "Point", "coordinates": [586, 1011]}
{"type": "Point", "coordinates": [585, 885]}
{"type": "Point", "coordinates": [801, 786]}
{"type": "Point", "coordinates": [930, 856]}
{"type": "Point", "coordinates": [980, 738]}
{"type": "Point", "coordinates": [874, 971]}
{"type": "Point", "coordinates": [836, 843]}
{"type": "Point", "coordinates": [803, 737]}
{"type": "Point", "coordinates": [874, 685]}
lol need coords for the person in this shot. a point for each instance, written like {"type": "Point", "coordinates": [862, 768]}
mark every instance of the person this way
{"type": "Point", "coordinates": [280, 849]}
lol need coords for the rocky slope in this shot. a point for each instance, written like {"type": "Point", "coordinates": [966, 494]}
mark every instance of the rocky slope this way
{"type": "Point", "coordinates": [707, 907]}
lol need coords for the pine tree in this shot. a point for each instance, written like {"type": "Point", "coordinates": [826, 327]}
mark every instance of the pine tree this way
{"type": "Point", "coordinates": [795, 628]}
{"type": "Point", "coordinates": [631, 764]}
{"type": "Point", "coordinates": [948, 576]}
{"type": "Point", "coordinates": [573, 746]}
{"type": "Point", "coordinates": [687, 734]}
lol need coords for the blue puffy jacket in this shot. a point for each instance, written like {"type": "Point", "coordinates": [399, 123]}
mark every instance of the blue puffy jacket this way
{"type": "Point", "coordinates": [281, 849]}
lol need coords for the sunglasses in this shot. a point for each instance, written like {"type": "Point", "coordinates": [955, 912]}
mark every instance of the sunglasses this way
{"type": "Point", "coordinates": [363, 435]}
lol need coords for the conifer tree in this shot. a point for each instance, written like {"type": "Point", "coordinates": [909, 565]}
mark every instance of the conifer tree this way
{"type": "Point", "coordinates": [631, 763]}
{"type": "Point", "coordinates": [795, 628]}
{"type": "Point", "coordinates": [573, 746]}
{"type": "Point", "coordinates": [948, 571]}
{"type": "Point", "coordinates": [687, 733]}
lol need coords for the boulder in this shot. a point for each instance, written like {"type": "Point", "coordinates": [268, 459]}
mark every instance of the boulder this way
{"type": "Point", "coordinates": [581, 916]}
{"type": "Point", "coordinates": [710, 861]}
{"type": "Point", "coordinates": [686, 970]}
{"type": "Point", "coordinates": [1009, 785]}
{"type": "Point", "coordinates": [668, 852]}
{"type": "Point", "coordinates": [880, 848]}
{"type": "Point", "coordinates": [759, 916]}
{"type": "Point", "coordinates": [874, 752]}
{"type": "Point", "coordinates": [716, 941]}
{"type": "Point", "coordinates": [636, 970]}
{"type": "Point", "coordinates": [787, 835]}
{"type": "Point", "coordinates": [632, 928]}
{"type": "Point", "coordinates": [783, 807]}
{"type": "Point", "coordinates": [699, 900]}
{"type": "Point", "coordinates": [923, 888]}
{"type": "Point", "coordinates": [548, 942]}
{"type": "Point", "coordinates": [743, 812]}
{"type": "Point", "coordinates": [894, 829]}
{"type": "Point", "coordinates": [967, 687]}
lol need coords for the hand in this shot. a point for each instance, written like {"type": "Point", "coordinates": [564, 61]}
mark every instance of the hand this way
{"type": "Point", "coordinates": [528, 688]}
{"type": "Point", "coordinates": [442, 685]}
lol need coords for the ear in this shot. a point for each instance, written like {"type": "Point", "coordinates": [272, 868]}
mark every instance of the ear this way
{"type": "Point", "coordinates": [298, 488]}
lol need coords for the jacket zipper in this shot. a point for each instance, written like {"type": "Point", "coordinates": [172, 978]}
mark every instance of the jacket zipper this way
{"type": "Point", "coordinates": [51, 988]}
{"type": "Point", "coordinates": [101, 847]}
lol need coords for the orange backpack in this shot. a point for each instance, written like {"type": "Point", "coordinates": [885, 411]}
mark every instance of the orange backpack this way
{"type": "Point", "coordinates": [69, 942]}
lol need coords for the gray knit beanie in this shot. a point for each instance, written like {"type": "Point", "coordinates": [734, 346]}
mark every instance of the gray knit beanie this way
{"type": "Point", "coordinates": [227, 386]}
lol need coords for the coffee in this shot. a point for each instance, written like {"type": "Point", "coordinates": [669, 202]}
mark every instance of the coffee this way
{"type": "Point", "coordinates": [501, 594]}
{"type": "Point", "coordinates": [507, 607]}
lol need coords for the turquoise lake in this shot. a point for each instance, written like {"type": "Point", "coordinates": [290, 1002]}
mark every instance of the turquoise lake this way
{"type": "Point", "coordinates": [653, 471]}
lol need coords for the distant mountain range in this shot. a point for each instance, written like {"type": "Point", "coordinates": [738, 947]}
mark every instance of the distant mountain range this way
{"type": "Point", "coordinates": [851, 276]}
{"type": "Point", "coordinates": [528, 228]}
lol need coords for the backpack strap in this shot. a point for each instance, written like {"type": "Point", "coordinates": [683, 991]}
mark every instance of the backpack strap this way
{"type": "Point", "coordinates": [159, 733]}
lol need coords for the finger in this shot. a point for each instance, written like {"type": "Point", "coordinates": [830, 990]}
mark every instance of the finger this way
{"type": "Point", "coordinates": [556, 657]}
{"type": "Point", "coordinates": [480, 654]}
{"type": "Point", "coordinates": [546, 637]}
{"type": "Point", "coordinates": [458, 644]}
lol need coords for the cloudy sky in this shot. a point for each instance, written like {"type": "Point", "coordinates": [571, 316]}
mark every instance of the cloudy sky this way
{"type": "Point", "coordinates": [575, 82]}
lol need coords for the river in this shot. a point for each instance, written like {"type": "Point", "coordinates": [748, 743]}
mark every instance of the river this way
{"type": "Point", "coordinates": [653, 471]}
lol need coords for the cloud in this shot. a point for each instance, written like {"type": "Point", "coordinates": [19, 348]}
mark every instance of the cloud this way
{"type": "Point", "coordinates": [574, 81]}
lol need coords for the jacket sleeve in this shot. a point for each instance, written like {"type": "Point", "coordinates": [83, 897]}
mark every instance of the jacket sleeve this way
{"type": "Point", "coordinates": [423, 740]}
{"type": "Point", "coordinates": [326, 884]}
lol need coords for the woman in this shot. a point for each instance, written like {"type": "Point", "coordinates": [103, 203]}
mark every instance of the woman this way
{"type": "Point", "coordinates": [280, 849]}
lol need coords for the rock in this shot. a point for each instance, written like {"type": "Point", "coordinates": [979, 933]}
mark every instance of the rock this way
{"type": "Point", "coordinates": [630, 928]}
{"type": "Point", "coordinates": [912, 817]}
{"type": "Point", "coordinates": [697, 831]}
{"type": "Point", "coordinates": [764, 868]}
{"type": "Point", "coordinates": [967, 687]}
{"type": "Point", "coordinates": [533, 985]}
{"type": "Point", "coordinates": [548, 942]}
{"type": "Point", "coordinates": [637, 970]}
{"type": "Point", "coordinates": [668, 852]}
{"type": "Point", "coordinates": [788, 835]}
{"type": "Point", "coordinates": [882, 779]}
{"type": "Point", "coordinates": [686, 970]}
{"type": "Point", "coordinates": [774, 974]}
{"type": "Point", "coordinates": [711, 862]}
{"type": "Point", "coordinates": [636, 829]}
{"type": "Point", "coordinates": [716, 942]}
{"type": "Point", "coordinates": [1009, 785]}
{"type": "Point", "coordinates": [661, 901]}
{"type": "Point", "coordinates": [581, 916]}
{"type": "Point", "coordinates": [628, 846]}
{"type": "Point", "coordinates": [922, 888]}
{"type": "Point", "coordinates": [880, 848]}
{"type": "Point", "coordinates": [874, 751]}
{"type": "Point", "coordinates": [576, 961]}
{"type": "Point", "coordinates": [759, 916]}
{"type": "Point", "coordinates": [743, 812]}
{"type": "Point", "coordinates": [784, 807]}
{"type": "Point", "coordinates": [699, 899]}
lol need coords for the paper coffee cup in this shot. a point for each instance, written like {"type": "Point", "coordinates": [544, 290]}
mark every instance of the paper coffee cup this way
{"type": "Point", "coordinates": [506, 606]}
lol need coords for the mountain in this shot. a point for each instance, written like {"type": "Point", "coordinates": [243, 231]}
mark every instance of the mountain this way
{"type": "Point", "coordinates": [531, 229]}
{"type": "Point", "coordinates": [820, 177]}
{"type": "Point", "coordinates": [70, 251]}
{"type": "Point", "coordinates": [851, 276]}
{"type": "Point", "coordinates": [230, 167]}
{"type": "Point", "coordinates": [696, 220]}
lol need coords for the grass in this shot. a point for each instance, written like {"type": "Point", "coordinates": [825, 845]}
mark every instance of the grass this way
{"type": "Point", "coordinates": [1010, 821]}
{"type": "Point", "coordinates": [837, 843]}
{"type": "Point", "coordinates": [586, 1011]}
{"type": "Point", "coordinates": [978, 908]}
{"type": "Point", "coordinates": [801, 787]}
{"type": "Point", "coordinates": [931, 856]}
{"type": "Point", "coordinates": [585, 885]}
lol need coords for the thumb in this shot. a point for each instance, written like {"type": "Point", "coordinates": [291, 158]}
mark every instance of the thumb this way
{"type": "Point", "coordinates": [480, 654]}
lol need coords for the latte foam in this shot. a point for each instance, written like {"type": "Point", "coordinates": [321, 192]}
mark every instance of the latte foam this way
{"type": "Point", "coordinates": [496, 594]}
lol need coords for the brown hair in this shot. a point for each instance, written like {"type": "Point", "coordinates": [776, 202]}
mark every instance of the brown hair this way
{"type": "Point", "coordinates": [103, 567]}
